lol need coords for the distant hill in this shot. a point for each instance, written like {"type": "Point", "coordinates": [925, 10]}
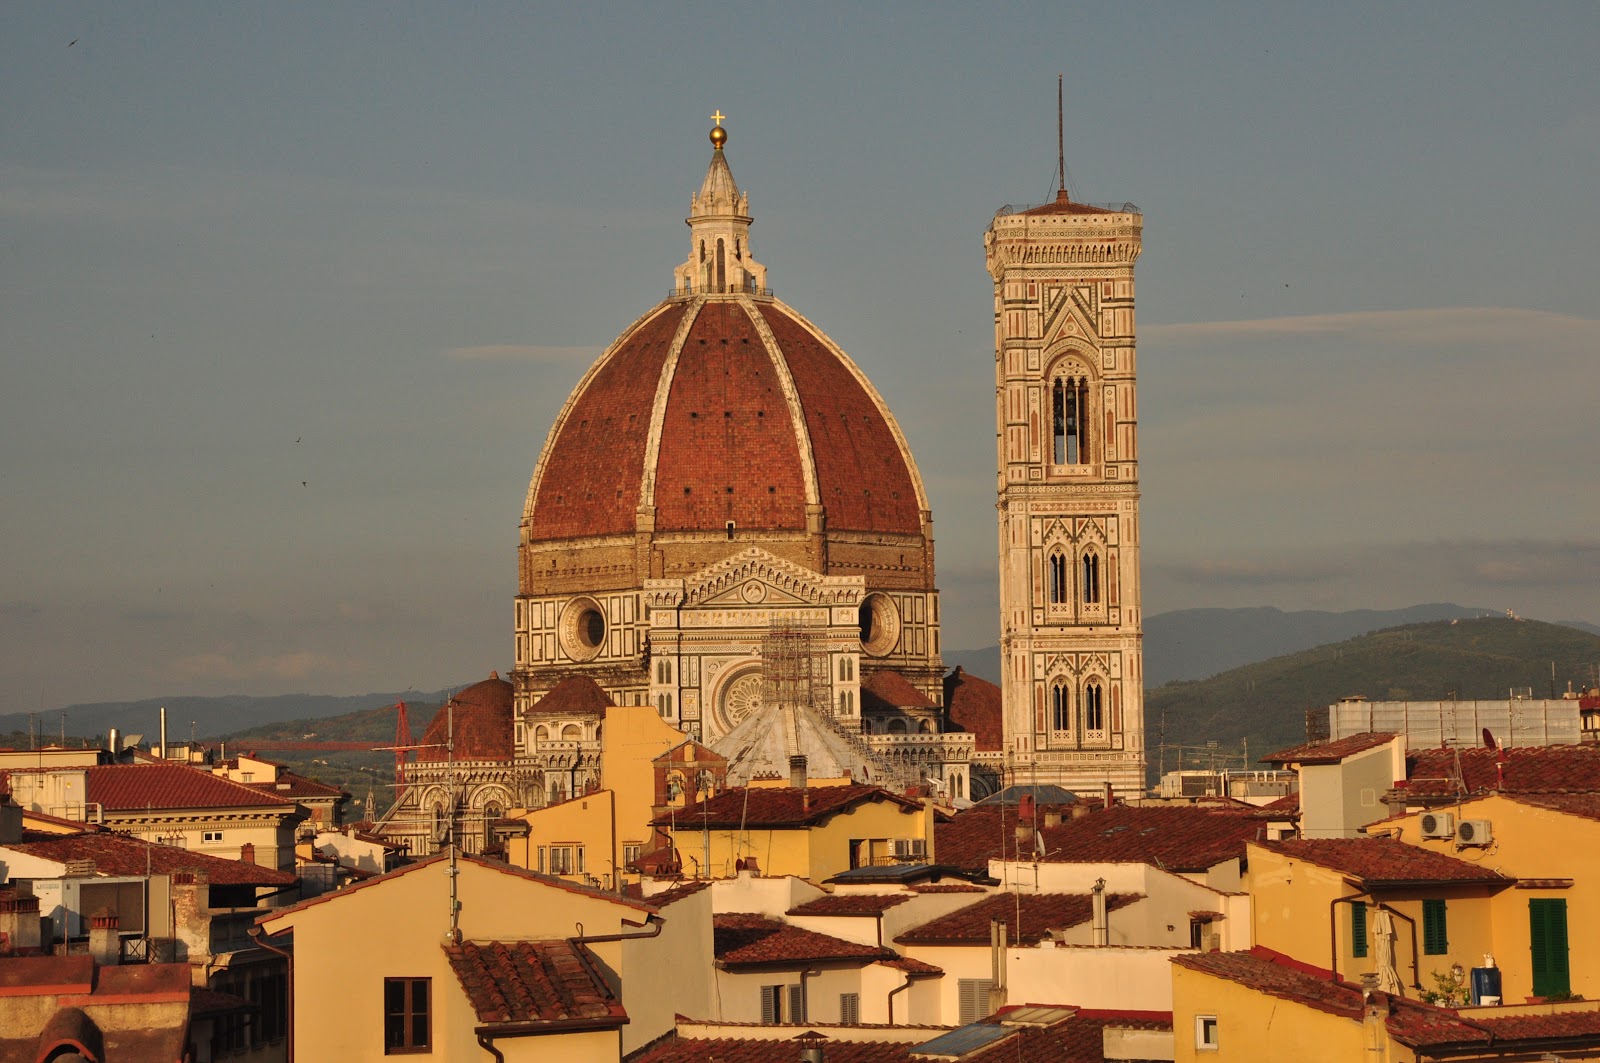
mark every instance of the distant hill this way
{"type": "Point", "coordinates": [1265, 703]}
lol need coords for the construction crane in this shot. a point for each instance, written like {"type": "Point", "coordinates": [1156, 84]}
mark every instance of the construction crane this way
{"type": "Point", "coordinates": [404, 747]}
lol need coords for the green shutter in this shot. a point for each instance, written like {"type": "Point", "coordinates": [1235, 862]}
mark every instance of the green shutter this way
{"type": "Point", "coordinates": [1435, 938]}
{"type": "Point", "coordinates": [1358, 929]}
{"type": "Point", "coordinates": [1547, 933]}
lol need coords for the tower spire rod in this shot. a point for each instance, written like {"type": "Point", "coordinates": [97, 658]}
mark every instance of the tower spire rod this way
{"type": "Point", "coordinates": [1061, 141]}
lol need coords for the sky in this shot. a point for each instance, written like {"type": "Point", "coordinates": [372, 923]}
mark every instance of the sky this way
{"type": "Point", "coordinates": [290, 295]}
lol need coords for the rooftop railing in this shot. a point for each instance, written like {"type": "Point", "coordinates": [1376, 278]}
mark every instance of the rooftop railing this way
{"type": "Point", "coordinates": [1019, 208]}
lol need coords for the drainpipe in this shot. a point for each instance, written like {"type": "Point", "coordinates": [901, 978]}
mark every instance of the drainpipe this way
{"type": "Point", "coordinates": [896, 992]}
{"type": "Point", "coordinates": [486, 1042]}
{"type": "Point", "coordinates": [805, 996]}
{"type": "Point", "coordinates": [260, 938]}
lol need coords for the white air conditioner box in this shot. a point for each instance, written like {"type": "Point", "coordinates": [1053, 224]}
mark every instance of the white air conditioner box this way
{"type": "Point", "coordinates": [1438, 825]}
{"type": "Point", "coordinates": [1474, 832]}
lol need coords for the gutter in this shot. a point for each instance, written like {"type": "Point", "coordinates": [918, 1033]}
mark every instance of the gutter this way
{"type": "Point", "coordinates": [260, 938]}
{"type": "Point", "coordinates": [895, 992]}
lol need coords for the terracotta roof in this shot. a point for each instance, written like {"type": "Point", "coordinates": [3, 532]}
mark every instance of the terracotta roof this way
{"type": "Point", "coordinates": [973, 704]}
{"type": "Point", "coordinates": [291, 785]}
{"type": "Point", "coordinates": [1411, 1023]}
{"type": "Point", "coordinates": [777, 806]}
{"type": "Point", "coordinates": [1288, 805]}
{"type": "Point", "coordinates": [204, 1001]}
{"type": "Point", "coordinates": [937, 888]}
{"type": "Point", "coordinates": [1064, 204]}
{"type": "Point", "coordinates": [117, 854]}
{"type": "Point", "coordinates": [727, 436]}
{"type": "Point", "coordinates": [1173, 837]}
{"type": "Point", "coordinates": [677, 893]}
{"type": "Point", "coordinates": [743, 940]}
{"type": "Point", "coordinates": [1586, 806]}
{"type": "Point", "coordinates": [483, 725]}
{"type": "Point", "coordinates": [136, 787]}
{"type": "Point", "coordinates": [533, 982]}
{"type": "Point", "coordinates": [1382, 861]}
{"type": "Point", "coordinates": [1531, 769]}
{"type": "Point", "coordinates": [913, 967]}
{"type": "Point", "coordinates": [889, 689]}
{"type": "Point", "coordinates": [851, 904]}
{"type": "Point", "coordinates": [1078, 1039]}
{"type": "Point", "coordinates": [1328, 752]}
{"type": "Point", "coordinates": [18, 973]}
{"type": "Point", "coordinates": [1040, 914]}
{"type": "Point", "coordinates": [576, 695]}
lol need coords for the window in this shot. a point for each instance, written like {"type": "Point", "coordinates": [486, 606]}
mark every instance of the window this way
{"type": "Point", "coordinates": [1058, 578]}
{"type": "Point", "coordinates": [561, 860]}
{"type": "Point", "coordinates": [630, 853]}
{"type": "Point", "coordinates": [1068, 400]}
{"type": "Point", "coordinates": [1358, 930]}
{"type": "Point", "coordinates": [1547, 925]}
{"type": "Point", "coordinates": [974, 999]}
{"type": "Point", "coordinates": [211, 836]}
{"type": "Point", "coordinates": [1435, 938]}
{"type": "Point", "coordinates": [1091, 579]}
{"type": "Point", "coordinates": [1197, 933]}
{"type": "Point", "coordinates": [1205, 1032]}
{"type": "Point", "coordinates": [406, 1026]}
{"type": "Point", "coordinates": [1094, 712]}
{"type": "Point", "coordinates": [772, 1003]}
{"type": "Point", "coordinates": [1060, 708]}
{"type": "Point", "coordinates": [849, 1008]}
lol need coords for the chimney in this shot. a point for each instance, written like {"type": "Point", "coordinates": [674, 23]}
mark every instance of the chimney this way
{"type": "Point", "coordinates": [163, 754]}
{"type": "Point", "coordinates": [1109, 797]}
{"type": "Point", "coordinates": [247, 853]}
{"type": "Point", "coordinates": [805, 801]}
{"type": "Point", "coordinates": [1079, 810]}
{"type": "Point", "coordinates": [105, 944]}
{"type": "Point", "coordinates": [797, 771]}
{"type": "Point", "coordinates": [10, 821]}
{"type": "Point", "coordinates": [114, 741]}
{"type": "Point", "coordinates": [19, 922]}
{"type": "Point", "coordinates": [1101, 925]}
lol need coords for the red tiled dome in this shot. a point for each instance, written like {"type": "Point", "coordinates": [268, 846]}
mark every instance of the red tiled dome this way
{"type": "Point", "coordinates": [483, 724]}
{"type": "Point", "coordinates": [723, 408]}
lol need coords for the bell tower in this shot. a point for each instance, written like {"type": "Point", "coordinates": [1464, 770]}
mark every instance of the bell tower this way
{"type": "Point", "coordinates": [1071, 622]}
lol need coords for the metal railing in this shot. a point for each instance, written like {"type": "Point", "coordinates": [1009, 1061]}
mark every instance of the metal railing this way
{"type": "Point", "coordinates": [1021, 208]}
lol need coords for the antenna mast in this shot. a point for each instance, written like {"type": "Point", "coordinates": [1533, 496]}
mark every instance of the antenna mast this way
{"type": "Point", "coordinates": [1061, 140]}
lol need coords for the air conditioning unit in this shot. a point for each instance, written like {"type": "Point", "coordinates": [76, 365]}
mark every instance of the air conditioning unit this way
{"type": "Point", "coordinates": [1474, 832]}
{"type": "Point", "coordinates": [1438, 825]}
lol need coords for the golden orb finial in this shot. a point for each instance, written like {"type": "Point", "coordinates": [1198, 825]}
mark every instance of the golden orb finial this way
{"type": "Point", "coordinates": [719, 136]}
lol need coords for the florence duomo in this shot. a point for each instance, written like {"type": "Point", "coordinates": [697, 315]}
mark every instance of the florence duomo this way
{"type": "Point", "coordinates": [727, 525]}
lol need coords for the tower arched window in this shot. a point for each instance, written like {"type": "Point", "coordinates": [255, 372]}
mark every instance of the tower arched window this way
{"type": "Point", "coordinates": [1094, 711]}
{"type": "Point", "coordinates": [1091, 578]}
{"type": "Point", "coordinates": [1060, 708]}
{"type": "Point", "coordinates": [1069, 398]}
{"type": "Point", "coordinates": [1058, 578]}
{"type": "Point", "coordinates": [722, 267]}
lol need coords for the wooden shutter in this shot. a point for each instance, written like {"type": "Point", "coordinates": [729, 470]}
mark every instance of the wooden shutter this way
{"type": "Point", "coordinates": [771, 1004]}
{"type": "Point", "coordinates": [1435, 936]}
{"type": "Point", "coordinates": [974, 999]}
{"type": "Point", "coordinates": [1358, 929]}
{"type": "Point", "coordinates": [1547, 926]}
{"type": "Point", "coordinates": [849, 1008]}
{"type": "Point", "coordinates": [797, 1003]}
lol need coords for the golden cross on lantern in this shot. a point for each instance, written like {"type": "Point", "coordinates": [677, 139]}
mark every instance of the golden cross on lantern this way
{"type": "Point", "coordinates": [718, 117]}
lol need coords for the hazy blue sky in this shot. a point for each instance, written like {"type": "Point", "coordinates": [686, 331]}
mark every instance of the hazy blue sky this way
{"type": "Point", "coordinates": [290, 294]}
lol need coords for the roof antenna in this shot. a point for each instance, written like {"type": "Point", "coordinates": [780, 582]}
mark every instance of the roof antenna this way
{"type": "Point", "coordinates": [1061, 144]}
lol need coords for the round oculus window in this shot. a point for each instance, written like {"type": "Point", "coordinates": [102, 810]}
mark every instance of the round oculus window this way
{"type": "Point", "coordinates": [583, 629]}
{"type": "Point", "coordinates": [880, 625]}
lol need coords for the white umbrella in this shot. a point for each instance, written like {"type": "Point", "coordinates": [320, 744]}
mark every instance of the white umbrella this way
{"type": "Point", "coordinates": [1382, 928]}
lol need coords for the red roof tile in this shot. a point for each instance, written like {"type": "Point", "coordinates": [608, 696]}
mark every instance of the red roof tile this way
{"type": "Point", "coordinates": [1382, 861]}
{"type": "Point", "coordinates": [755, 941]}
{"type": "Point", "coordinates": [889, 689]}
{"type": "Point", "coordinates": [1173, 837]}
{"type": "Point", "coordinates": [136, 787]}
{"type": "Point", "coordinates": [1039, 914]}
{"type": "Point", "coordinates": [533, 982]}
{"type": "Point", "coordinates": [1328, 752]}
{"type": "Point", "coordinates": [1586, 806]}
{"type": "Point", "coordinates": [913, 967]}
{"type": "Point", "coordinates": [117, 854]}
{"type": "Point", "coordinates": [1064, 204]}
{"type": "Point", "coordinates": [288, 784]}
{"type": "Point", "coordinates": [851, 904]}
{"type": "Point", "coordinates": [483, 724]}
{"type": "Point", "coordinates": [673, 894]}
{"type": "Point", "coordinates": [777, 806]}
{"type": "Point", "coordinates": [576, 695]}
{"type": "Point", "coordinates": [1532, 769]}
{"type": "Point", "coordinates": [973, 704]}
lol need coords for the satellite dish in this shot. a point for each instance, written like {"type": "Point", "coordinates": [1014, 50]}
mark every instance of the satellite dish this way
{"type": "Point", "coordinates": [1488, 739]}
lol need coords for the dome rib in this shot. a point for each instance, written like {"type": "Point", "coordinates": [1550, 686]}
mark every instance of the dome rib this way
{"type": "Point", "coordinates": [658, 407]}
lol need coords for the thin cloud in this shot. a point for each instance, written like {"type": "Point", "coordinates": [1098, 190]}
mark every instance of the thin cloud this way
{"type": "Point", "coordinates": [299, 665]}
{"type": "Point", "coordinates": [513, 352]}
{"type": "Point", "coordinates": [1433, 326]}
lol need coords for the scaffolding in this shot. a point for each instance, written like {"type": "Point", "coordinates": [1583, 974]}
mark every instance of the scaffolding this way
{"type": "Point", "coordinates": [794, 671]}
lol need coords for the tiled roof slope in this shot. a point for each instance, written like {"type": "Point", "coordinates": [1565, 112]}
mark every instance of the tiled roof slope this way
{"type": "Point", "coordinates": [116, 854]}
{"type": "Point", "coordinates": [973, 704]}
{"type": "Point", "coordinates": [1386, 861]}
{"type": "Point", "coordinates": [777, 806]}
{"type": "Point", "coordinates": [1532, 769]}
{"type": "Point", "coordinates": [136, 787]}
{"type": "Point", "coordinates": [1063, 204]}
{"type": "Point", "coordinates": [1173, 837]}
{"type": "Point", "coordinates": [1328, 752]}
{"type": "Point", "coordinates": [1585, 805]}
{"type": "Point", "coordinates": [576, 695]}
{"type": "Point", "coordinates": [743, 940]}
{"type": "Point", "coordinates": [891, 690]}
{"type": "Point", "coordinates": [533, 982]}
{"type": "Point", "coordinates": [851, 904]}
{"type": "Point", "coordinates": [1040, 913]}
{"type": "Point", "coordinates": [483, 726]}
{"type": "Point", "coordinates": [292, 785]}
{"type": "Point", "coordinates": [1411, 1023]}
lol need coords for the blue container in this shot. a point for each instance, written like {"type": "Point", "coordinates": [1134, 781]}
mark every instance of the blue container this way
{"type": "Point", "coordinates": [1486, 984]}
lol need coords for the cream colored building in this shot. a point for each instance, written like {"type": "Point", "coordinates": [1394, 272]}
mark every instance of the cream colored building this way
{"type": "Point", "coordinates": [1071, 624]}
